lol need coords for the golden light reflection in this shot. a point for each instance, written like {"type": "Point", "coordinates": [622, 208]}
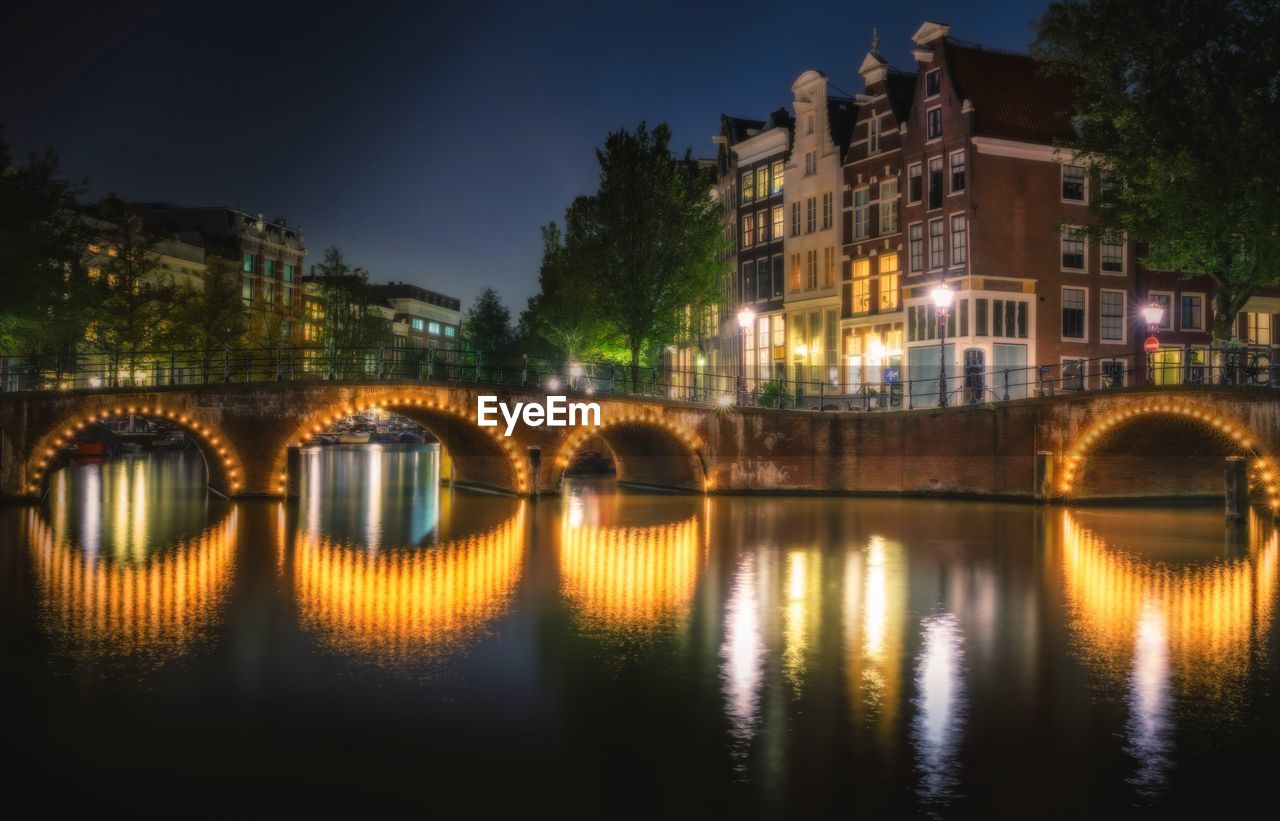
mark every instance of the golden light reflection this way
{"type": "Point", "coordinates": [398, 604]}
{"type": "Point", "coordinates": [803, 585]}
{"type": "Point", "coordinates": [1209, 613]}
{"type": "Point", "coordinates": [157, 603]}
{"type": "Point", "coordinates": [629, 579]}
{"type": "Point", "coordinates": [875, 593]}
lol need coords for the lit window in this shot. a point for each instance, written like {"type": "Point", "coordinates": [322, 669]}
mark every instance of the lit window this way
{"type": "Point", "coordinates": [418, 325]}
{"type": "Point", "coordinates": [450, 330]}
{"type": "Point", "coordinates": [433, 328]}
{"type": "Point", "coordinates": [888, 282]}
{"type": "Point", "coordinates": [861, 270]}
{"type": "Point", "coordinates": [246, 290]}
{"type": "Point", "coordinates": [246, 263]}
{"type": "Point", "coordinates": [777, 222]}
{"type": "Point", "coordinates": [288, 273]}
{"type": "Point", "coordinates": [748, 230]}
{"type": "Point", "coordinates": [777, 179]}
{"type": "Point", "coordinates": [1257, 328]}
{"type": "Point", "coordinates": [748, 187]}
{"type": "Point", "coordinates": [269, 268]}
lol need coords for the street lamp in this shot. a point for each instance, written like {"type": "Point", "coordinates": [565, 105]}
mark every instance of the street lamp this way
{"type": "Point", "coordinates": [1154, 316]}
{"type": "Point", "coordinates": [942, 302]}
{"type": "Point", "coordinates": [746, 318]}
{"type": "Point", "coordinates": [701, 363]}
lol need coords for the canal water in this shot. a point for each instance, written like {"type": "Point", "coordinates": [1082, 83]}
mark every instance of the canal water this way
{"type": "Point", "coordinates": [387, 644]}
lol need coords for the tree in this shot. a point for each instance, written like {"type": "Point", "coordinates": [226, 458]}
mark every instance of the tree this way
{"type": "Point", "coordinates": [135, 299]}
{"type": "Point", "coordinates": [351, 319]}
{"type": "Point", "coordinates": [1181, 103]}
{"type": "Point", "coordinates": [42, 248]}
{"type": "Point", "coordinates": [487, 326]}
{"type": "Point", "coordinates": [211, 314]}
{"type": "Point", "coordinates": [651, 237]}
{"type": "Point", "coordinates": [564, 314]}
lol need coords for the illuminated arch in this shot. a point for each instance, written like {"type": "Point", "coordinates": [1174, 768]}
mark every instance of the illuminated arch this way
{"type": "Point", "coordinates": [445, 421]}
{"type": "Point", "coordinates": [640, 435]}
{"type": "Point", "coordinates": [402, 603]}
{"type": "Point", "coordinates": [223, 465]}
{"type": "Point", "coordinates": [1264, 477]}
{"type": "Point", "coordinates": [160, 604]}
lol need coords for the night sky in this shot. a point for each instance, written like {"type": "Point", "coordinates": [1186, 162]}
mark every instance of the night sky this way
{"type": "Point", "coordinates": [428, 141]}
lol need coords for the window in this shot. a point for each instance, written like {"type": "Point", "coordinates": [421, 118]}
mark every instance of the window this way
{"type": "Point", "coordinates": [957, 172]}
{"type": "Point", "coordinates": [1257, 328]}
{"type": "Point", "coordinates": [808, 123]}
{"type": "Point", "coordinates": [748, 230]}
{"type": "Point", "coordinates": [748, 186]}
{"type": "Point", "coordinates": [811, 269]}
{"type": "Point", "coordinates": [777, 180]}
{"type": "Point", "coordinates": [450, 331]}
{"type": "Point", "coordinates": [1113, 373]}
{"type": "Point", "coordinates": [269, 293]}
{"type": "Point", "coordinates": [269, 268]}
{"type": "Point", "coordinates": [861, 286]}
{"type": "Point", "coordinates": [795, 272]}
{"type": "Point", "coordinates": [1113, 254]}
{"type": "Point", "coordinates": [861, 213]}
{"type": "Point", "coordinates": [762, 227]}
{"type": "Point", "coordinates": [811, 163]}
{"type": "Point", "coordinates": [915, 235]}
{"type": "Point", "coordinates": [748, 281]}
{"type": "Point", "coordinates": [933, 83]}
{"type": "Point", "coordinates": [1192, 313]}
{"type": "Point", "coordinates": [1072, 240]}
{"type": "Point", "coordinates": [777, 222]}
{"type": "Point", "coordinates": [1112, 307]}
{"type": "Point", "coordinates": [873, 135]}
{"type": "Point", "coordinates": [935, 183]}
{"type": "Point", "coordinates": [289, 273]}
{"type": "Point", "coordinates": [246, 290]}
{"type": "Point", "coordinates": [1073, 183]}
{"type": "Point", "coordinates": [914, 190]}
{"type": "Point", "coordinates": [418, 325]}
{"type": "Point", "coordinates": [828, 267]}
{"type": "Point", "coordinates": [779, 331]}
{"type": "Point", "coordinates": [933, 122]}
{"type": "Point", "coordinates": [889, 291]}
{"type": "Point", "coordinates": [1165, 301]}
{"type": "Point", "coordinates": [1073, 305]}
{"type": "Point", "coordinates": [762, 181]}
{"type": "Point", "coordinates": [778, 276]}
{"type": "Point", "coordinates": [795, 218]}
{"type": "Point", "coordinates": [433, 328]}
{"type": "Point", "coordinates": [980, 317]}
{"type": "Point", "coordinates": [937, 254]}
{"type": "Point", "coordinates": [889, 206]}
{"type": "Point", "coordinates": [959, 240]}
{"type": "Point", "coordinates": [811, 215]}
{"type": "Point", "coordinates": [826, 210]}
{"type": "Point", "coordinates": [246, 263]}
{"type": "Point", "coordinates": [1111, 188]}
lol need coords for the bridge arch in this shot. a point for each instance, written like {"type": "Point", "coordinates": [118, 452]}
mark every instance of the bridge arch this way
{"type": "Point", "coordinates": [646, 449]}
{"type": "Point", "coordinates": [223, 464]}
{"type": "Point", "coordinates": [482, 457]}
{"type": "Point", "coordinates": [1197, 420]}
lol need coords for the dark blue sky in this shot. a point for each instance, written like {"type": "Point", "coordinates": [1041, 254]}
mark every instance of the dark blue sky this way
{"type": "Point", "coordinates": [429, 141]}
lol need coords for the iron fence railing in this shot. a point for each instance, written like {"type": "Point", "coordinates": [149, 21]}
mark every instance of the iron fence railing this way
{"type": "Point", "coordinates": [1253, 366]}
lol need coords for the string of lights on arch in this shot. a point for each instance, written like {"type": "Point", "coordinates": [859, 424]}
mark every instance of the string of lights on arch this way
{"type": "Point", "coordinates": [575, 441]}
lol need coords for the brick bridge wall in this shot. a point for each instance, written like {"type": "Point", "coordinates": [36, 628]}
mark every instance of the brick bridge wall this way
{"type": "Point", "coordinates": [1134, 443]}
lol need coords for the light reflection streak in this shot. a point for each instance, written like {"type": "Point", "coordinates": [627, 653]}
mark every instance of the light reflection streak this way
{"type": "Point", "coordinates": [396, 604]}
{"type": "Point", "coordinates": [800, 612]}
{"type": "Point", "coordinates": [940, 707]}
{"type": "Point", "coordinates": [629, 579]}
{"type": "Point", "coordinates": [158, 604]}
{"type": "Point", "coordinates": [1166, 632]}
{"type": "Point", "coordinates": [874, 615]}
{"type": "Point", "coordinates": [742, 653]}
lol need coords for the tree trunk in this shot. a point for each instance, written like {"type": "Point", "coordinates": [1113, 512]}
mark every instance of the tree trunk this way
{"type": "Point", "coordinates": [635, 367]}
{"type": "Point", "coordinates": [1224, 317]}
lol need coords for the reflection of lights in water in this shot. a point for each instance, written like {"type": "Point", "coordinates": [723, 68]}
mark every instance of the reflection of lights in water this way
{"type": "Point", "coordinates": [630, 578]}
{"type": "Point", "coordinates": [940, 707]}
{"type": "Point", "coordinates": [802, 585]}
{"type": "Point", "coordinates": [1149, 727]}
{"type": "Point", "coordinates": [577, 510]}
{"type": "Point", "coordinates": [373, 497]}
{"type": "Point", "coordinates": [1165, 631]}
{"type": "Point", "coordinates": [874, 611]}
{"type": "Point", "coordinates": [742, 654]}
{"type": "Point", "coordinates": [394, 604]}
{"type": "Point", "coordinates": [157, 604]}
{"type": "Point", "coordinates": [92, 528]}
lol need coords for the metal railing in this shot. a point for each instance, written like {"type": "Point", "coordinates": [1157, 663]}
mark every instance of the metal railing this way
{"type": "Point", "coordinates": [1254, 366]}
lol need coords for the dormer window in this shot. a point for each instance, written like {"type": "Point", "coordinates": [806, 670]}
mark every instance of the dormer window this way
{"type": "Point", "coordinates": [808, 124]}
{"type": "Point", "coordinates": [933, 83]}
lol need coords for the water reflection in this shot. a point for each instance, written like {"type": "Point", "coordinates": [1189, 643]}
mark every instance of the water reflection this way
{"type": "Point", "coordinates": [874, 621]}
{"type": "Point", "coordinates": [1165, 630]}
{"type": "Point", "coordinates": [940, 707]}
{"type": "Point", "coordinates": [742, 652]}
{"type": "Point", "coordinates": [157, 603]}
{"type": "Point", "coordinates": [395, 604]}
{"type": "Point", "coordinates": [374, 495]}
{"type": "Point", "coordinates": [628, 579]}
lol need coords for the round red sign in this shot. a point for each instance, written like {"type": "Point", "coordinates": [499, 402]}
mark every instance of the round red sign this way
{"type": "Point", "coordinates": [1151, 345]}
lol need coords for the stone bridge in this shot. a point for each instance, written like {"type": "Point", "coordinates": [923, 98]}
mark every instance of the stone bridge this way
{"type": "Point", "coordinates": [1133, 443]}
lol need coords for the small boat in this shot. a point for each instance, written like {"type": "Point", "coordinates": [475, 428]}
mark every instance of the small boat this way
{"type": "Point", "coordinates": [354, 437]}
{"type": "Point", "coordinates": [386, 437]}
{"type": "Point", "coordinates": [323, 439]}
{"type": "Point", "coordinates": [171, 439]}
{"type": "Point", "coordinates": [410, 437]}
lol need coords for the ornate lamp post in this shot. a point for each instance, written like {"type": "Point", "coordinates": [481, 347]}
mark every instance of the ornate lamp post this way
{"type": "Point", "coordinates": [1154, 316]}
{"type": "Point", "coordinates": [942, 302]}
{"type": "Point", "coordinates": [746, 319]}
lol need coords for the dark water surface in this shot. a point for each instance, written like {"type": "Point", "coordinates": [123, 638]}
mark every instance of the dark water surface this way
{"type": "Point", "coordinates": [385, 644]}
